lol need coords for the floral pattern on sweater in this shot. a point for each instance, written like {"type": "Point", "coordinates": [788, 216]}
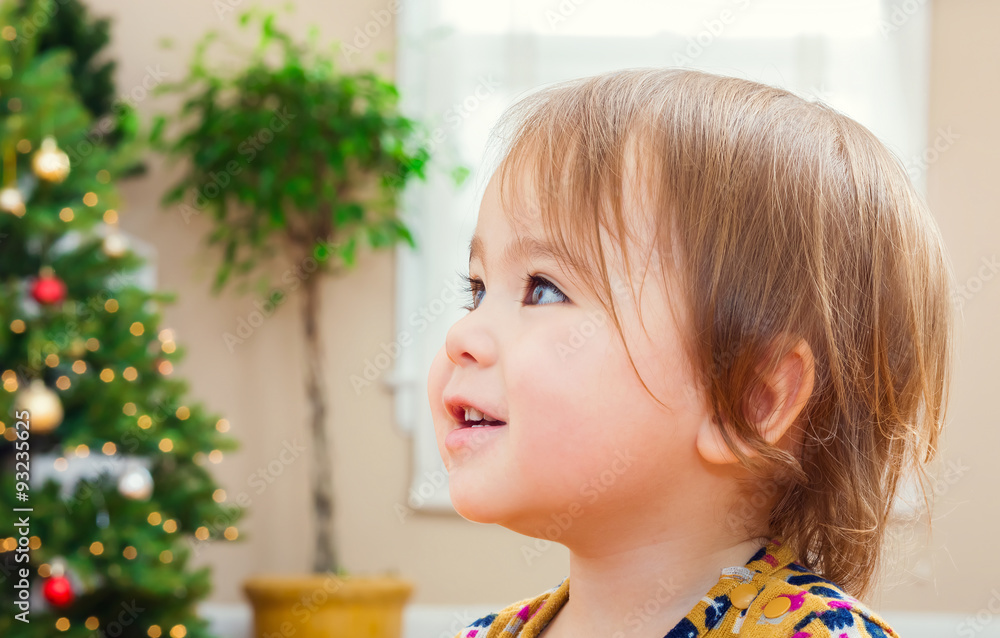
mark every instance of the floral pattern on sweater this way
{"type": "Point", "coordinates": [816, 607]}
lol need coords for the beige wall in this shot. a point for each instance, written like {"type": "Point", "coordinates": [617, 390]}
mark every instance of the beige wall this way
{"type": "Point", "coordinates": [452, 560]}
{"type": "Point", "coordinates": [963, 192]}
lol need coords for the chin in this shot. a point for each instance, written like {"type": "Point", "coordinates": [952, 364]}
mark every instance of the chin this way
{"type": "Point", "coordinates": [476, 502]}
{"type": "Point", "coordinates": [470, 504]}
{"type": "Point", "coordinates": [474, 513]}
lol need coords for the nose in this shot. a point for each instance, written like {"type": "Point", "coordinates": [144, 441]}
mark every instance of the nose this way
{"type": "Point", "coordinates": [470, 340]}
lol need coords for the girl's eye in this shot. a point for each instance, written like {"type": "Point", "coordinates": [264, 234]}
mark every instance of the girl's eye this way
{"type": "Point", "coordinates": [535, 294]}
{"type": "Point", "coordinates": [473, 288]}
{"type": "Point", "coordinates": [536, 284]}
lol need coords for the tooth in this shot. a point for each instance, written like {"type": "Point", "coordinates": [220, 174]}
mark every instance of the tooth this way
{"type": "Point", "coordinates": [472, 414]}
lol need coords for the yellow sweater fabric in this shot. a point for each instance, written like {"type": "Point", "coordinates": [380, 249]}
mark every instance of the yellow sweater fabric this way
{"type": "Point", "coordinates": [771, 596]}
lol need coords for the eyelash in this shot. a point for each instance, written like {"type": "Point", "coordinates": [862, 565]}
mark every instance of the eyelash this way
{"type": "Point", "coordinates": [474, 285]}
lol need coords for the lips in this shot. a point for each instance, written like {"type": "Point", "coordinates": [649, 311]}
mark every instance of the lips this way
{"type": "Point", "coordinates": [463, 440]}
{"type": "Point", "coordinates": [456, 408]}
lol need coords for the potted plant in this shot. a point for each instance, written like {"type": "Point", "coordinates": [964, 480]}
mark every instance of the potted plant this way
{"type": "Point", "coordinates": [298, 159]}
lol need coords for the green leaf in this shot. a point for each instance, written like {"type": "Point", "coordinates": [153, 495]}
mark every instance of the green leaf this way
{"type": "Point", "coordinates": [459, 174]}
{"type": "Point", "coordinates": [346, 214]}
{"type": "Point", "coordinates": [347, 251]}
{"type": "Point", "coordinates": [174, 195]}
{"type": "Point", "coordinates": [373, 235]}
{"type": "Point", "coordinates": [277, 215]}
{"type": "Point", "coordinates": [267, 31]}
{"type": "Point", "coordinates": [156, 132]}
{"type": "Point", "coordinates": [403, 232]}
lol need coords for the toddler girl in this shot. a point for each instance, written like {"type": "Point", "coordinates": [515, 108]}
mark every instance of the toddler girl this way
{"type": "Point", "coordinates": [709, 333]}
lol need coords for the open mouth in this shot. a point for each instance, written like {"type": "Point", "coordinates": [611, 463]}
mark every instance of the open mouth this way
{"type": "Point", "coordinates": [472, 418]}
{"type": "Point", "coordinates": [482, 424]}
{"type": "Point", "coordinates": [474, 426]}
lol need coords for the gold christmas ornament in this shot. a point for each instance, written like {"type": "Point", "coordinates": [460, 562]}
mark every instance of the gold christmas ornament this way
{"type": "Point", "coordinates": [50, 162]}
{"type": "Point", "coordinates": [12, 201]}
{"type": "Point", "coordinates": [42, 404]}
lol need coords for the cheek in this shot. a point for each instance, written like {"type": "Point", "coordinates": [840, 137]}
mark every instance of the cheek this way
{"type": "Point", "coordinates": [567, 400]}
{"type": "Point", "coordinates": [583, 409]}
{"type": "Point", "coordinates": [437, 378]}
{"type": "Point", "coordinates": [554, 371]}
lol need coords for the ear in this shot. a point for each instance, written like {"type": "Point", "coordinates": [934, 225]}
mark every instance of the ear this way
{"type": "Point", "coordinates": [774, 405]}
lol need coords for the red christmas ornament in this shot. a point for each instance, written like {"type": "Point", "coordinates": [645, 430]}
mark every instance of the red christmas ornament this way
{"type": "Point", "coordinates": [48, 289]}
{"type": "Point", "coordinates": [58, 591]}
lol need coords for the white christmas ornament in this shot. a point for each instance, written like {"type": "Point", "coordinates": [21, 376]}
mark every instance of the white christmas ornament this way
{"type": "Point", "coordinates": [115, 244]}
{"type": "Point", "coordinates": [12, 201]}
{"type": "Point", "coordinates": [136, 483]}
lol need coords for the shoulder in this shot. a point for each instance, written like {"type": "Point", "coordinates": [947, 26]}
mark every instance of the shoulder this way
{"type": "Point", "coordinates": [513, 618]}
{"type": "Point", "coordinates": [798, 603]}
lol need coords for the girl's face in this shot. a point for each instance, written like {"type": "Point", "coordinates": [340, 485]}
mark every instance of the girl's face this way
{"type": "Point", "coordinates": [582, 440]}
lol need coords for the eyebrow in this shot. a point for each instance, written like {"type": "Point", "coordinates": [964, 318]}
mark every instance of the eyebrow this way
{"type": "Point", "coordinates": [521, 249]}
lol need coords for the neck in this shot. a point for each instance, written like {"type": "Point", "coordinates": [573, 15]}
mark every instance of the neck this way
{"type": "Point", "coordinates": [645, 589]}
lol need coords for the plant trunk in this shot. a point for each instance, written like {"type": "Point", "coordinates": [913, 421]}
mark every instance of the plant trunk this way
{"type": "Point", "coordinates": [325, 558]}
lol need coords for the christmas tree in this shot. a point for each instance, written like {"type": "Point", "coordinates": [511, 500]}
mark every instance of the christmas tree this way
{"type": "Point", "coordinates": [105, 490]}
{"type": "Point", "coordinates": [68, 25]}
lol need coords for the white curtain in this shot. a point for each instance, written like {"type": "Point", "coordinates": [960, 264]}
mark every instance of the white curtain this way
{"type": "Point", "coordinates": [461, 62]}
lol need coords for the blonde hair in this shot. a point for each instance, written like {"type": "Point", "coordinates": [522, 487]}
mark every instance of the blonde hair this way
{"type": "Point", "coordinates": [784, 219]}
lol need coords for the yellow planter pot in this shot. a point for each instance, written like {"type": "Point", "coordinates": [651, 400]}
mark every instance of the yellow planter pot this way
{"type": "Point", "coordinates": [326, 606]}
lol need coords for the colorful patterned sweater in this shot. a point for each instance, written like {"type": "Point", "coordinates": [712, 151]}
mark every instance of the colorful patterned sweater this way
{"type": "Point", "coordinates": [771, 596]}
